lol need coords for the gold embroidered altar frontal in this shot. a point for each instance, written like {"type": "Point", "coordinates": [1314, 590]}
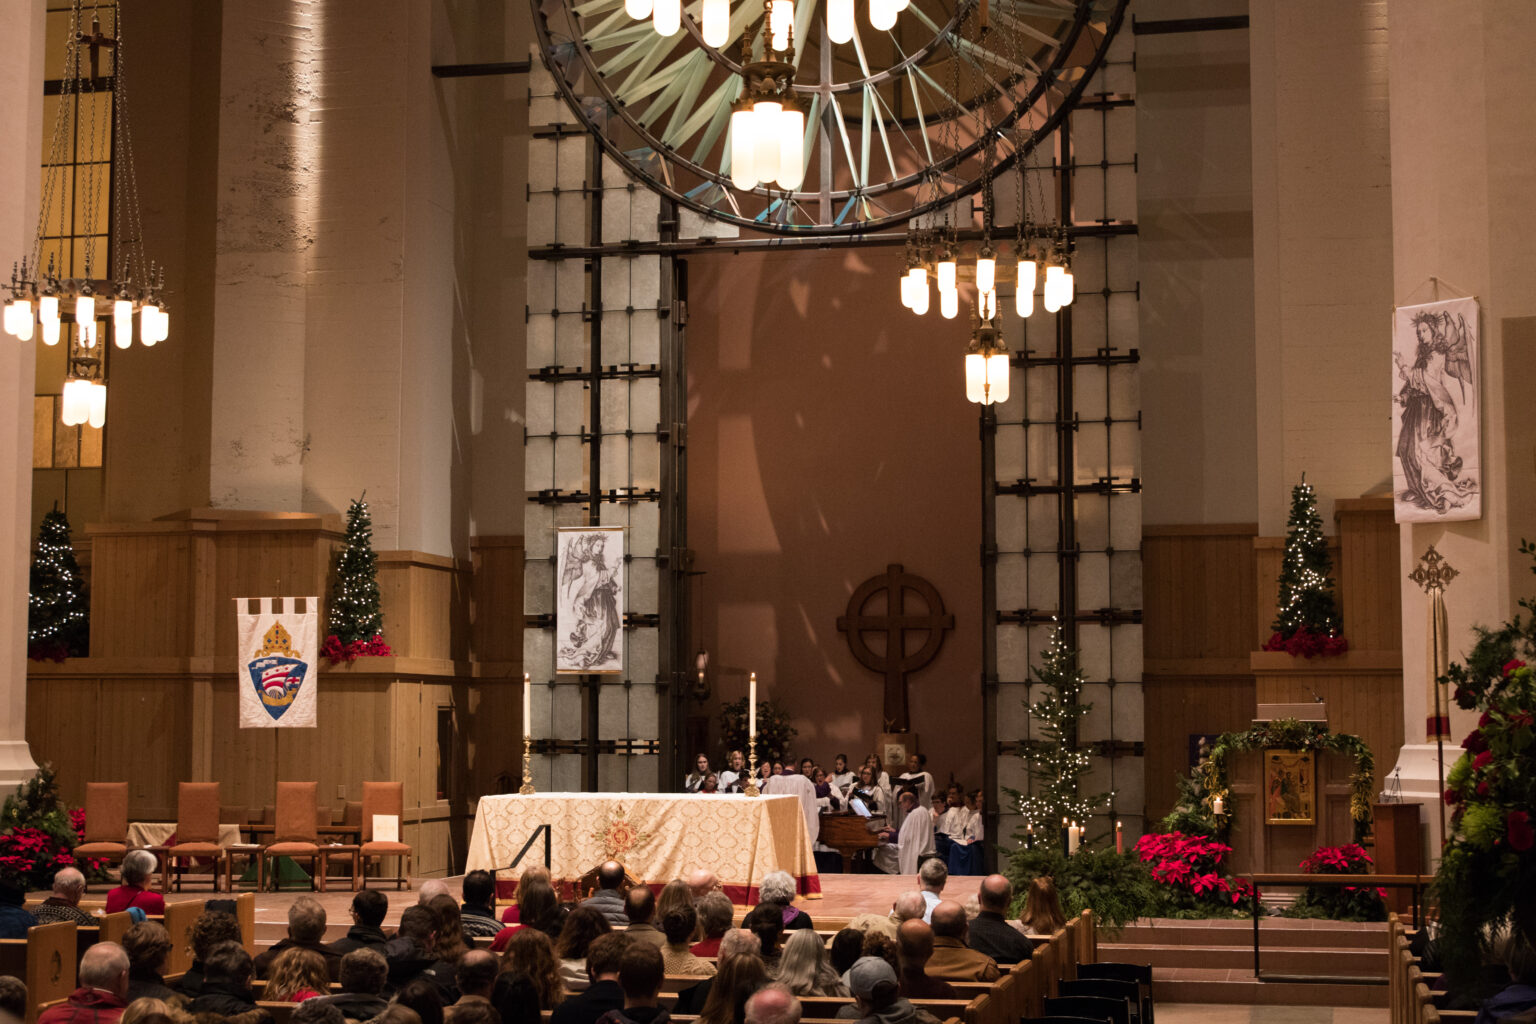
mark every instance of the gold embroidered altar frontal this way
{"type": "Point", "coordinates": [656, 836]}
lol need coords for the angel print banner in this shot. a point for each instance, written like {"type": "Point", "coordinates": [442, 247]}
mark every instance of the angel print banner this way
{"type": "Point", "coordinates": [589, 633]}
{"type": "Point", "coordinates": [276, 679]}
{"type": "Point", "coordinates": [1436, 438]}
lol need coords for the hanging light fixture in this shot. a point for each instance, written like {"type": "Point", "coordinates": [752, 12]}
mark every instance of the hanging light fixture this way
{"type": "Point", "coordinates": [986, 365]}
{"type": "Point", "coordinates": [767, 122]}
{"type": "Point", "coordinates": [36, 291]}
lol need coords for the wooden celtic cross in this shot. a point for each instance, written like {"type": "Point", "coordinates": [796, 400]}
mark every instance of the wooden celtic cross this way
{"type": "Point", "coordinates": [896, 623]}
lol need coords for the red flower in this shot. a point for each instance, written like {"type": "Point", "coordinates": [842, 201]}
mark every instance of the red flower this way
{"type": "Point", "coordinates": [1518, 826]}
{"type": "Point", "coordinates": [1482, 788]}
{"type": "Point", "coordinates": [1475, 742]}
{"type": "Point", "coordinates": [1482, 760]}
{"type": "Point", "coordinates": [1513, 664]}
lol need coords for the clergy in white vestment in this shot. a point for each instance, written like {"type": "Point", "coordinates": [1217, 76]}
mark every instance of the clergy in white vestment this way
{"type": "Point", "coordinates": [901, 854]}
{"type": "Point", "coordinates": [792, 783]}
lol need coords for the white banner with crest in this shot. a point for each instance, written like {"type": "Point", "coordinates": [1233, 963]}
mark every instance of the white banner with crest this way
{"type": "Point", "coordinates": [277, 677]}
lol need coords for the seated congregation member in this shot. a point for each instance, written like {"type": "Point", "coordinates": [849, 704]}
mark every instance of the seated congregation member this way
{"type": "Point", "coordinates": [738, 978]}
{"type": "Point", "coordinates": [226, 982]}
{"type": "Point", "coordinates": [900, 852]}
{"type": "Point", "coordinates": [449, 942]}
{"type": "Point", "coordinates": [513, 914]}
{"type": "Point", "coordinates": [211, 929]}
{"type": "Point", "coordinates": [297, 974]}
{"type": "Point", "coordinates": [410, 953]}
{"type": "Point", "coordinates": [102, 992]}
{"type": "Point", "coordinates": [63, 904]}
{"type": "Point", "coordinates": [732, 777]}
{"type": "Point", "coordinates": [737, 942]}
{"type": "Point", "coordinates": [539, 909]}
{"type": "Point", "coordinates": [914, 948]}
{"type": "Point", "coordinates": [137, 869]}
{"type": "Point", "coordinates": [952, 959]}
{"type": "Point", "coordinates": [363, 976]}
{"type": "Point", "coordinates": [583, 926]}
{"type": "Point", "coordinates": [530, 958]}
{"type": "Point", "coordinates": [877, 997]}
{"type": "Point", "coordinates": [641, 973]}
{"type": "Point", "coordinates": [15, 918]}
{"type": "Point", "coordinates": [803, 967]}
{"type": "Point", "coordinates": [1517, 999]}
{"type": "Point", "coordinates": [877, 945]}
{"type": "Point", "coordinates": [640, 912]}
{"type": "Point", "coordinates": [904, 907]}
{"type": "Point", "coordinates": [430, 888]}
{"type": "Point", "coordinates": [931, 878]}
{"type": "Point", "coordinates": [423, 996]}
{"type": "Point", "coordinates": [609, 898]}
{"type": "Point", "coordinates": [478, 910]}
{"type": "Point", "coordinates": [694, 780]}
{"type": "Point", "coordinates": [146, 1010]}
{"type": "Point", "coordinates": [147, 944]}
{"type": "Point", "coordinates": [844, 951]}
{"type": "Point", "coordinates": [990, 932]}
{"type": "Point", "coordinates": [702, 882]}
{"type": "Point", "coordinates": [367, 932]}
{"type": "Point", "coordinates": [603, 992]}
{"type": "Point", "coordinates": [678, 925]}
{"type": "Point", "coordinates": [13, 999]}
{"type": "Point", "coordinates": [316, 1011]}
{"type": "Point", "coordinates": [475, 977]}
{"type": "Point", "coordinates": [306, 930]}
{"type": "Point", "coordinates": [778, 890]}
{"type": "Point", "coordinates": [772, 1004]}
{"type": "Point", "coordinates": [715, 913]}
{"type": "Point", "coordinates": [674, 894]}
{"type": "Point", "coordinates": [474, 1013]}
{"type": "Point", "coordinates": [1042, 908]}
{"type": "Point", "coordinates": [397, 1013]}
{"type": "Point", "coordinates": [766, 922]}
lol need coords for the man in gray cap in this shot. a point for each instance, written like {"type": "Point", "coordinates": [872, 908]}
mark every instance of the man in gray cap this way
{"type": "Point", "coordinates": [877, 998]}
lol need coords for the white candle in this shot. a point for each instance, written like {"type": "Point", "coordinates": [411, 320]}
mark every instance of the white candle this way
{"type": "Point", "coordinates": [527, 706]}
{"type": "Point", "coordinates": [1074, 837]}
{"type": "Point", "coordinates": [1218, 805]}
{"type": "Point", "coordinates": [752, 706]}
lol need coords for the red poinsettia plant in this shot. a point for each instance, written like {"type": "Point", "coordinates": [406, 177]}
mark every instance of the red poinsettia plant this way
{"type": "Point", "coordinates": [334, 651]}
{"type": "Point", "coordinates": [1340, 903]}
{"type": "Point", "coordinates": [1190, 869]}
{"type": "Point", "coordinates": [1307, 643]}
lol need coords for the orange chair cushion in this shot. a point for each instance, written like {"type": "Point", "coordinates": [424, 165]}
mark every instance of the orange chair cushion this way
{"type": "Point", "coordinates": [197, 812]}
{"type": "Point", "coordinates": [296, 814]}
{"type": "Point", "coordinates": [196, 850]}
{"type": "Point", "coordinates": [384, 849]}
{"type": "Point", "coordinates": [288, 849]}
{"type": "Point", "coordinates": [380, 798]}
{"type": "Point", "coordinates": [101, 850]}
{"type": "Point", "coordinates": [106, 812]}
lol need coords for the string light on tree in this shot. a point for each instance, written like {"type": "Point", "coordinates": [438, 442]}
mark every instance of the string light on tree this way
{"type": "Point", "coordinates": [58, 615]}
{"type": "Point", "coordinates": [354, 621]}
{"type": "Point", "coordinates": [1056, 763]}
{"type": "Point", "coordinates": [1307, 610]}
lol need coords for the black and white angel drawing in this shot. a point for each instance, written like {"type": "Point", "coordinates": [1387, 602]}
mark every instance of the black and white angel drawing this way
{"type": "Point", "coordinates": [591, 580]}
{"type": "Point", "coordinates": [1437, 398]}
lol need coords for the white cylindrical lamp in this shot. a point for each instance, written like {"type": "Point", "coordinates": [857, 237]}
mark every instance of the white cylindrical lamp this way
{"type": "Point", "coordinates": [75, 402]}
{"type": "Point", "coordinates": [743, 166]}
{"type": "Point", "coordinates": [840, 19]}
{"type": "Point", "coordinates": [667, 16]}
{"type": "Point", "coordinates": [791, 130]}
{"type": "Point", "coordinates": [717, 22]}
{"type": "Point", "coordinates": [765, 138]}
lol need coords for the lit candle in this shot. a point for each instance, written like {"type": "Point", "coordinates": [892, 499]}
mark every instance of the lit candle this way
{"type": "Point", "coordinates": [752, 706]}
{"type": "Point", "coordinates": [1119, 839]}
{"type": "Point", "coordinates": [1074, 838]}
{"type": "Point", "coordinates": [527, 706]}
{"type": "Point", "coordinates": [1218, 805]}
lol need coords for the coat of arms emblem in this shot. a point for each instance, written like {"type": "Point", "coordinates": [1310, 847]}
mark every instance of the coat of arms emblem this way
{"type": "Point", "coordinates": [277, 671]}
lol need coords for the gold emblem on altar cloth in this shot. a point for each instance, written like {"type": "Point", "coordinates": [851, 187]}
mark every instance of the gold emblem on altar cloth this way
{"type": "Point", "coordinates": [620, 835]}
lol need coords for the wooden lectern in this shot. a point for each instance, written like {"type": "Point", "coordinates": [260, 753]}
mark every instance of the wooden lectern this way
{"type": "Point", "coordinates": [1398, 843]}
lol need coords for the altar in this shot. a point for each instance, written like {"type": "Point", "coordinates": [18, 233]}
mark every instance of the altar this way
{"type": "Point", "coordinates": [656, 836]}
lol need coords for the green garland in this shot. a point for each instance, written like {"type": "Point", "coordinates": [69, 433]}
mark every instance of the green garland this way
{"type": "Point", "coordinates": [1290, 734]}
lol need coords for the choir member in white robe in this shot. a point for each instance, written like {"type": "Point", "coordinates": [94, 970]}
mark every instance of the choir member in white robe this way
{"type": "Point", "coordinates": [792, 783]}
{"type": "Point", "coordinates": [915, 840]}
{"type": "Point", "coordinates": [918, 777]}
{"type": "Point", "coordinates": [732, 778]}
{"type": "Point", "coordinates": [841, 778]}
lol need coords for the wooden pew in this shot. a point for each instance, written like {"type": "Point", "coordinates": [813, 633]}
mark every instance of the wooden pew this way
{"type": "Point", "coordinates": [245, 913]}
{"type": "Point", "coordinates": [45, 960]}
{"type": "Point", "coordinates": [178, 921]}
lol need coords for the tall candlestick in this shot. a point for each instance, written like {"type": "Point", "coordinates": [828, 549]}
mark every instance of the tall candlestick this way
{"type": "Point", "coordinates": [527, 706]}
{"type": "Point", "coordinates": [752, 706]}
{"type": "Point", "coordinates": [1119, 839]}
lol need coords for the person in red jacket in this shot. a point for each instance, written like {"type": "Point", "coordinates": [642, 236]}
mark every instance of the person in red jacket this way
{"type": "Point", "coordinates": [137, 870]}
{"type": "Point", "coordinates": [103, 990]}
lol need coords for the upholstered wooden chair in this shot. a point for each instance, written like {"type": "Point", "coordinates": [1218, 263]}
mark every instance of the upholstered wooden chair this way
{"type": "Point", "coordinates": [197, 831]}
{"type": "Point", "coordinates": [294, 833]}
{"type": "Point", "coordinates": [383, 798]}
{"type": "Point", "coordinates": [106, 822]}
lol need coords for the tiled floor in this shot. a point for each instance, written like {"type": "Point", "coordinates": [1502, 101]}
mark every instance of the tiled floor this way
{"type": "Point", "coordinates": [1191, 1013]}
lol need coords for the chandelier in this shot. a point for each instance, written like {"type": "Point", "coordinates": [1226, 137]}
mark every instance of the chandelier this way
{"type": "Point", "coordinates": [767, 122]}
{"type": "Point", "coordinates": [715, 17]}
{"type": "Point", "coordinates": [41, 296]}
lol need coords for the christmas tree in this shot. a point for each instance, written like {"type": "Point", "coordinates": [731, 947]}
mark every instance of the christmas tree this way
{"type": "Point", "coordinates": [1056, 763]}
{"type": "Point", "coordinates": [58, 618]}
{"type": "Point", "coordinates": [354, 621]}
{"type": "Point", "coordinates": [1307, 623]}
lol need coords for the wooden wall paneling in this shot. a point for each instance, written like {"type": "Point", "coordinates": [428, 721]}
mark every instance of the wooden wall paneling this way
{"type": "Point", "coordinates": [63, 720]}
{"type": "Point", "coordinates": [141, 595]}
{"type": "Point", "coordinates": [262, 564]}
{"type": "Point", "coordinates": [494, 735]}
{"type": "Point", "coordinates": [497, 611]}
{"type": "Point", "coordinates": [424, 599]}
{"type": "Point", "coordinates": [1198, 587]}
{"type": "Point", "coordinates": [1178, 707]}
{"type": "Point", "coordinates": [1368, 573]}
{"type": "Point", "coordinates": [143, 723]}
{"type": "Point", "coordinates": [349, 746]}
{"type": "Point", "coordinates": [245, 761]}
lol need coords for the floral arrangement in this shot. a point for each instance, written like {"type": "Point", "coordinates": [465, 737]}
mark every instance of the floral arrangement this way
{"type": "Point", "coordinates": [334, 651]}
{"type": "Point", "coordinates": [1117, 887]}
{"type": "Point", "coordinates": [1289, 734]}
{"type": "Point", "coordinates": [1340, 903]}
{"type": "Point", "coordinates": [1189, 868]}
{"type": "Point", "coordinates": [1307, 643]}
{"type": "Point", "coordinates": [38, 835]}
{"type": "Point", "coordinates": [773, 729]}
{"type": "Point", "coordinates": [1488, 866]}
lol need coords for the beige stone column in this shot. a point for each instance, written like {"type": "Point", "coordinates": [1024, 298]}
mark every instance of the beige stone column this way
{"type": "Point", "coordinates": [21, 115]}
{"type": "Point", "coordinates": [1463, 153]}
